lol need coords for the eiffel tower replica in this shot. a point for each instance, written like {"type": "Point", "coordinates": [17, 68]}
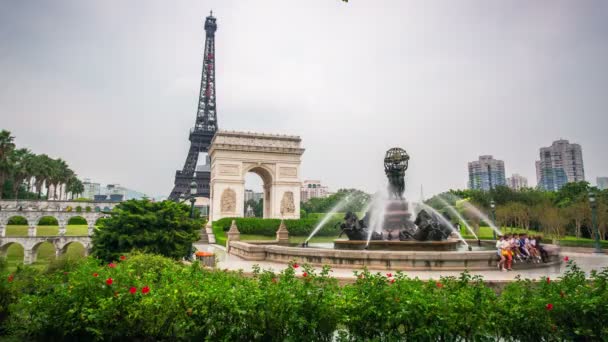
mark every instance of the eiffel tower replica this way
{"type": "Point", "coordinates": [205, 125]}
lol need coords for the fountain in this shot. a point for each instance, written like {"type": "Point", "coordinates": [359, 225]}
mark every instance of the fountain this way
{"type": "Point", "coordinates": [388, 225]}
{"type": "Point", "coordinates": [389, 236]}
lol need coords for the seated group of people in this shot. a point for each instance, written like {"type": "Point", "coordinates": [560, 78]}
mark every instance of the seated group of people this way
{"type": "Point", "coordinates": [519, 247]}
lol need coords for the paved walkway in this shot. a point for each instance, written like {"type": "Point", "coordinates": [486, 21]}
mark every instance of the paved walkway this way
{"type": "Point", "coordinates": [585, 261]}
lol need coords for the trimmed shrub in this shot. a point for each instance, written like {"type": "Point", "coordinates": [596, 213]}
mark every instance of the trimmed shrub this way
{"type": "Point", "coordinates": [268, 227]}
{"type": "Point", "coordinates": [18, 221]}
{"type": "Point", "coordinates": [78, 209]}
{"type": "Point", "coordinates": [77, 220]}
{"type": "Point", "coordinates": [48, 221]}
{"type": "Point", "coordinates": [88, 209]}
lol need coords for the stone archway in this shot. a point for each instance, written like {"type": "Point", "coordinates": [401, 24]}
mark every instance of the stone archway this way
{"type": "Point", "coordinates": [275, 158]}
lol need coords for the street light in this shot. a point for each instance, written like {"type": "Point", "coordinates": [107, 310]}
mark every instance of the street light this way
{"type": "Point", "coordinates": [598, 246]}
{"type": "Point", "coordinates": [493, 207]}
{"type": "Point", "coordinates": [193, 189]}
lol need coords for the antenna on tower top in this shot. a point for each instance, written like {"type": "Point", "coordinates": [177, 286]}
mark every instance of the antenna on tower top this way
{"type": "Point", "coordinates": [211, 13]}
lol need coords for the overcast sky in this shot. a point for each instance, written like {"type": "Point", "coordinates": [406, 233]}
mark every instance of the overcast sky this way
{"type": "Point", "coordinates": [111, 86]}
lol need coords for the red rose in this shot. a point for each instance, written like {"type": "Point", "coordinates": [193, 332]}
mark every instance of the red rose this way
{"type": "Point", "coordinates": [123, 258]}
{"type": "Point", "coordinates": [388, 275]}
{"type": "Point", "coordinates": [304, 274]}
{"type": "Point", "coordinates": [10, 278]}
{"type": "Point", "coordinates": [95, 274]}
{"type": "Point", "coordinates": [133, 290]}
{"type": "Point", "coordinates": [548, 280]}
{"type": "Point", "coordinates": [145, 289]}
{"type": "Point", "coordinates": [439, 285]}
{"type": "Point", "coordinates": [392, 280]}
{"type": "Point", "coordinates": [566, 258]}
{"type": "Point", "coordinates": [296, 265]}
{"type": "Point", "coordinates": [549, 307]}
{"type": "Point", "coordinates": [111, 265]}
{"type": "Point", "coordinates": [109, 281]}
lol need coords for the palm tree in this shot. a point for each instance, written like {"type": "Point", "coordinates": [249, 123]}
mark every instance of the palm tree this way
{"type": "Point", "coordinates": [22, 162]}
{"type": "Point", "coordinates": [74, 186]}
{"type": "Point", "coordinates": [41, 172]}
{"type": "Point", "coordinates": [6, 148]}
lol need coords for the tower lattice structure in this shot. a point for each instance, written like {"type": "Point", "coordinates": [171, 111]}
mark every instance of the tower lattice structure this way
{"type": "Point", "coordinates": [205, 125]}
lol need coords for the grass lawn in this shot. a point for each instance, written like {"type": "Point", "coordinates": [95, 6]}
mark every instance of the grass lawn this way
{"type": "Point", "coordinates": [71, 230]}
{"type": "Point", "coordinates": [46, 253]}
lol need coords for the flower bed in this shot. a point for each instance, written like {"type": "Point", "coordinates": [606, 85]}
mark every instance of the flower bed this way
{"type": "Point", "coordinates": [149, 297]}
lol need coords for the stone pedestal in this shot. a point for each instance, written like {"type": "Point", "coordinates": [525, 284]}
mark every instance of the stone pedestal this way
{"type": "Point", "coordinates": [233, 235]}
{"type": "Point", "coordinates": [282, 234]}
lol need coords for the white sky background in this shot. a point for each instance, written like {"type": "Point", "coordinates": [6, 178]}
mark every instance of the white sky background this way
{"type": "Point", "coordinates": [112, 86]}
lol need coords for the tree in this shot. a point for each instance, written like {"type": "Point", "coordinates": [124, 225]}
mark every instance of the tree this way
{"type": "Point", "coordinates": [357, 201]}
{"type": "Point", "coordinates": [22, 164]}
{"type": "Point", "coordinates": [7, 146]}
{"type": "Point", "coordinates": [163, 228]}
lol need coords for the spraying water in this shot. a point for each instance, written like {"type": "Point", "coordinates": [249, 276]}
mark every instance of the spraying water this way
{"type": "Point", "coordinates": [483, 216]}
{"type": "Point", "coordinates": [444, 221]}
{"type": "Point", "coordinates": [455, 212]}
{"type": "Point", "coordinates": [339, 206]}
{"type": "Point", "coordinates": [377, 216]}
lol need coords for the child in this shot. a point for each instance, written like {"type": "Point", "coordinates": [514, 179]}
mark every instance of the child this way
{"type": "Point", "coordinates": [501, 262]}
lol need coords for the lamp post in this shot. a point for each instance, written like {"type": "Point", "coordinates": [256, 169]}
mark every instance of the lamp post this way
{"type": "Point", "coordinates": [493, 207]}
{"type": "Point", "coordinates": [593, 204]}
{"type": "Point", "coordinates": [193, 188]}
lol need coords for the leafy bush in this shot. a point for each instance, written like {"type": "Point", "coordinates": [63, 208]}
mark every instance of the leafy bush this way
{"type": "Point", "coordinates": [78, 209]}
{"type": "Point", "coordinates": [148, 297]}
{"type": "Point", "coordinates": [163, 228]}
{"type": "Point", "coordinates": [88, 209]}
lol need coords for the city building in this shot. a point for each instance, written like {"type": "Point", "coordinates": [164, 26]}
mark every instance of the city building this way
{"type": "Point", "coordinates": [90, 189]}
{"type": "Point", "coordinates": [486, 173]}
{"type": "Point", "coordinates": [312, 189]}
{"type": "Point", "coordinates": [517, 182]}
{"type": "Point", "coordinates": [602, 183]}
{"type": "Point", "coordinates": [252, 195]}
{"type": "Point", "coordinates": [559, 164]}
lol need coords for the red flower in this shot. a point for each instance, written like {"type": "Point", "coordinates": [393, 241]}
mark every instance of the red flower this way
{"type": "Point", "coordinates": [145, 289]}
{"type": "Point", "coordinates": [123, 258]}
{"type": "Point", "coordinates": [388, 275]}
{"type": "Point", "coordinates": [95, 274]}
{"type": "Point", "coordinates": [111, 265]}
{"type": "Point", "coordinates": [439, 285]}
{"type": "Point", "coordinates": [10, 278]}
{"type": "Point", "coordinates": [274, 280]}
{"type": "Point", "coordinates": [548, 280]}
{"type": "Point", "coordinates": [296, 265]}
{"type": "Point", "coordinates": [566, 258]}
{"type": "Point", "coordinates": [109, 281]}
{"type": "Point", "coordinates": [133, 290]}
{"type": "Point", "coordinates": [392, 280]}
{"type": "Point", "coordinates": [549, 307]}
{"type": "Point", "coordinates": [304, 274]}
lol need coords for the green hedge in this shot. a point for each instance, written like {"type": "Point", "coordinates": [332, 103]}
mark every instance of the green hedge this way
{"type": "Point", "coordinates": [268, 227]}
{"type": "Point", "coordinates": [17, 221]}
{"type": "Point", "coordinates": [151, 298]}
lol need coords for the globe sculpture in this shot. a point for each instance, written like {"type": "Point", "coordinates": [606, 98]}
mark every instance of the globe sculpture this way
{"type": "Point", "coordinates": [395, 164]}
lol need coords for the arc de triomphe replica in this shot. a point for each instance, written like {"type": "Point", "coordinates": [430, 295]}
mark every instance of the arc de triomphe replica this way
{"type": "Point", "coordinates": [275, 158]}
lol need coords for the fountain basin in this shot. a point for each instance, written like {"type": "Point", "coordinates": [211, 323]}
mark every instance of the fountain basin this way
{"type": "Point", "coordinates": [396, 245]}
{"type": "Point", "coordinates": [377, 259]}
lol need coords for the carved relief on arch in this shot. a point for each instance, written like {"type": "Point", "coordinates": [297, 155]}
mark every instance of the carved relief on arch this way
{"type": "Point", "coordinates": [228, 202]}
{"type": "Point", "coordinates": [287, 203]}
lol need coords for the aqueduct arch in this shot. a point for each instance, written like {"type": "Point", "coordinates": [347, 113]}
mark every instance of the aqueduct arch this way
{"type": "Point", "coordinates": [275, 158]}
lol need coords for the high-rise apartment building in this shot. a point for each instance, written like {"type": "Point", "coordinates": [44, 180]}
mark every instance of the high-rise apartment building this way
{"type": "Point", "coordinates": [602, 183]}
{"type": "Point", "coordinates": [559, 164]}
{"type": "Point", "coordinates": [486, 173]}
{"type": "Point", "coordinates": [90, 189]}
{"type": "Point", "coordinates": [312, 189]}
{"type": "Point", "coordinates": [517, 182]}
